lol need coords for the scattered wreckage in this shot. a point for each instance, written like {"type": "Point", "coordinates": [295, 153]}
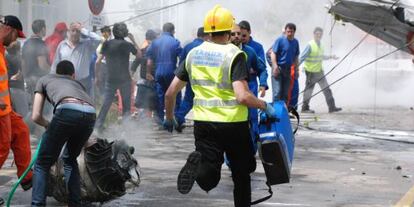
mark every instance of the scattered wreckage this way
{"type": "Point", "coordinates": [389, 20]}
{"type": "Point", "coordinates": [105, 170]}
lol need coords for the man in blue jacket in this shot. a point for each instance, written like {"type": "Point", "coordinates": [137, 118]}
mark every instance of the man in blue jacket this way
{"type": "Point", "coordinates": [247, 39]}
{"type": "Point", "coordinates": [187, 102]}
{"type": "Point", "coordinates": [257, 69]}
{"type": "Point", "coordinates": [162, 56]}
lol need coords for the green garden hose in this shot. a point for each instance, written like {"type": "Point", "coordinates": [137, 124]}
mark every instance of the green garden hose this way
{"type": "Point", "coordinates": [24, 174]}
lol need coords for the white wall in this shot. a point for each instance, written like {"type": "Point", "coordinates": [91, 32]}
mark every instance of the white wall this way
{"type": "Point", "coordinates": [52, 12]}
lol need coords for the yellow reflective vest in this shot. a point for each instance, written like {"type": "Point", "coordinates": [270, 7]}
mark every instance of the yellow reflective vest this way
{"type": "Point", "coordinates": [209, 71]}
{"type": "Point", "coordinates": [313, 63]}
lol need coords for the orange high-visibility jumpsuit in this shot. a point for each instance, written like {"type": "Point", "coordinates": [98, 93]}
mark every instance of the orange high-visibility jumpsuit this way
{"type": "Point", "coordinates": [14, 133]}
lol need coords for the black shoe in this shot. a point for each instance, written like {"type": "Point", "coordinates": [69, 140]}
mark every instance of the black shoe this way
{"type": "Point", "coordinates": [188, 173]}
{"type": "Point", "coordinates": [1, 201]}
{"type": "Point", "coordinates": [26, 185]}
{"type": "Point", "coordinates": [335, 109]}
{"type": "Point", "coordinates": [179, 128]}
{"type": "Point", "coordinates": [309, 111]}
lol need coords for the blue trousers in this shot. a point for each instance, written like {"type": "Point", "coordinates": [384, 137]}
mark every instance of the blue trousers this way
{"type": "Point", "coordinates": [73, 128]}
{"type": "Point", "coordinates": [294, 96]}
{"type": "Point", "coordinates": [162, 84]}
{"type": "Point", "coordinates": [280, 84]}
{"type": "Point", "coordinates": [254, 117]}
{"type": "Point", "coordinates": [186, 105]}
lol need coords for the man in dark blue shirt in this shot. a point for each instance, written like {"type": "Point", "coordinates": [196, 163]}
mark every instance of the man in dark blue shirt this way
{"type": "Point", "coordinates": [163, 54]}
{"type": "Point", "coordinates": [146, 98]}
{"type": "Point", "coordinates": [285, 52]}
{"type": "Point", "coordinates": [187, 102]}
{"type": "Point", "coordinates": [257, 69]}
{"type": "Point", "coordinates": [247, 39]}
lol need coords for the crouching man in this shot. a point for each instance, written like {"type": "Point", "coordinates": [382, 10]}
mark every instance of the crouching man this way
{"type": "Point", "coordinates": [72, 123]}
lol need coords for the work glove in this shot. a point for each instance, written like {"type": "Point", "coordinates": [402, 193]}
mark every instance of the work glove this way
{"type": "Point", "coordinates": [170, 124]}
{"type": "Point", "coordinates": [270, 111]}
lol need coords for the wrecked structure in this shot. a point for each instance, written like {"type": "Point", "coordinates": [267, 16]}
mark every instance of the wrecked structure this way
{"type": "Point", "coordinates": [389, 20]}
{"type": "Point", "coordinates": [105, 169]}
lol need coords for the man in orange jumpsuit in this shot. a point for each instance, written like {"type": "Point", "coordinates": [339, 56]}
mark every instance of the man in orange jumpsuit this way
{"type": "Point", "coordinates": [14, 133]}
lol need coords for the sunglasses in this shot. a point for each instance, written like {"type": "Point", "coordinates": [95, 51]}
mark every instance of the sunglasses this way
{"type": "Point", "coordinates": [234, 33]}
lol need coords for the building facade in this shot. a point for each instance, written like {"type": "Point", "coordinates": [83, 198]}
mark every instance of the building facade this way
{"type": "Point", "coordinates": [52, 11]}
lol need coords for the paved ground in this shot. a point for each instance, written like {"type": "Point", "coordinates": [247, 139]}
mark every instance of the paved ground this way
{"type": "Point", "coordinates": [340, 160]}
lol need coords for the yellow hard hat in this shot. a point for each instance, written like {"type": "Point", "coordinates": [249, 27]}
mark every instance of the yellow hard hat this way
{"type": "Point", "coordinates": [218, 19]}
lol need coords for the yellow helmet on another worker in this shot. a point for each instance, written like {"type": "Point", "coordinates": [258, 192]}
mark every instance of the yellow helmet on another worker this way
{"type": "Point", "coordinates": [218, 20]}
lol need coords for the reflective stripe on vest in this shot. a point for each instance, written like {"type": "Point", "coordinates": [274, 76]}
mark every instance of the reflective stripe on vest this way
{"type": "Point", "coordinates": [4, 93]}
{"type": "Point", "coordinates": [313, 63]}
{"type": "Point", "coordinates": [211, 84]}
{"type": "Point", "coordinates": [4, 84]}
{"type": "Point", "coordinates": [225, 82]}
{"type": "Point", "coordinates": [215, 103]}
{"type": "Point", "coordinates": [209, 71]}
{"type": "Point", "coordinates": [4, 77]}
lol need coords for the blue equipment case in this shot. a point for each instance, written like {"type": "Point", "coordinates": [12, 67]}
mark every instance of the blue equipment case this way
{"type": "Point", "coordinates": [276, 145]}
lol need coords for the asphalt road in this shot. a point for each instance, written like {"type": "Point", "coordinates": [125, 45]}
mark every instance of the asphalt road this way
{"type": "Point", "coordinates": [340, 160]}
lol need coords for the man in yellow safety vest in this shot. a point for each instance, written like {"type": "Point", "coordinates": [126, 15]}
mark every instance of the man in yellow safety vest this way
{"type": "Point", "coordinates": [313, 55]}
{"type": "Point", "coordinates": [218, 75]}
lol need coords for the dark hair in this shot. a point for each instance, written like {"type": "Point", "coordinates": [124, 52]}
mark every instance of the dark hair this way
{"type": "Point", "coordinates": [168, 27]}
{"type": "Point", "coordinates": [150, 35]}
{"type": "Point", "coordinates": [317, 29]}
{"type": "Point", "coordinates": [105, 29]}
{"type": "Point", "coordinates": [200, 32]}
{"type": "Point", "coordinates": [215, 34]}
{"type": "Point", "coordinates": [290, 26]}
{"type": "Point", "coordinates": [38, 25]}
{"type": "Point", "coordinates": [245, 25]}
{"type": "Point", "coordinates": [65, 67]}
{"type": "Point", "coordinates": [120, 30]}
